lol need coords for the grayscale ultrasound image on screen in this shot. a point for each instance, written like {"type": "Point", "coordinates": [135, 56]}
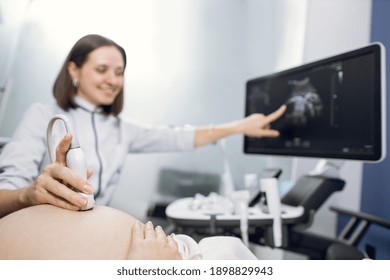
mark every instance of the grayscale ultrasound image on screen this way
{"type": "Point", "coordinates": [333, 108]}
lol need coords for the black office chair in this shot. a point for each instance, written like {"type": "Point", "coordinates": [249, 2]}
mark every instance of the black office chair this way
{"type": "Point", "coordinates": [347, 241]}
{"type": "Point", "coordinates": [341, 251]}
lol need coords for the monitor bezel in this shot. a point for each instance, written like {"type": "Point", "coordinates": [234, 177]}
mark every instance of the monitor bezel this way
{"type": "Point", "coordinates": [378, 50]}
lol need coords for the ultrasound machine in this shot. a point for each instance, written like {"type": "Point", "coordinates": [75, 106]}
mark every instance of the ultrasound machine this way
{"type": "Point", "coordinates": [335, 112]}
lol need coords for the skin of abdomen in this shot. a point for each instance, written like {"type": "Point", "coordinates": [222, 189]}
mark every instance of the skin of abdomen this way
{"type": "Point", "coordinates": [47, 232]}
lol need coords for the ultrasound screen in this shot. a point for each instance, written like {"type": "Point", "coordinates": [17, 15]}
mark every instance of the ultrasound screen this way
{"type": "Point", "coordinates": [334, 108]}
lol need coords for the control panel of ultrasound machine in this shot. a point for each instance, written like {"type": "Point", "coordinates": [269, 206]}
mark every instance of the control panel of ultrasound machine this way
{"type": "Point", "coordinates": [75, 158]}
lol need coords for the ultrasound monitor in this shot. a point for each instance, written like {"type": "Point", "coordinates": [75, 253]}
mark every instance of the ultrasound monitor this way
{"type": "Point", "coordinates": [335, 107]}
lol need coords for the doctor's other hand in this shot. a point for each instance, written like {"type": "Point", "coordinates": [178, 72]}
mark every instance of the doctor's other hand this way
{"type": "Point", "coordinates": [259, 125]}
{"type": "Point", "coordinates": [52, 185]}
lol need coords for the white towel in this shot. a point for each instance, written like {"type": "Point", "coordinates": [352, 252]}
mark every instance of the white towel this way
{"type": "Point", "coordinates": [213, 248]}
{"type": "Point", "coordinates": [188, 248]}
{"type": "Point", "coordinates": [225, 248]}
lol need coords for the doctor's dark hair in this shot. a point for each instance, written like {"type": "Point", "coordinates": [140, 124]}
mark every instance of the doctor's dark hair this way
{"type": "Point", "coordinates": [64, 90]}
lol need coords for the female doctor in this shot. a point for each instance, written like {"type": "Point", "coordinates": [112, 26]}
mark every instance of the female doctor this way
{"type": "Point", "coordinates": [89, 90]}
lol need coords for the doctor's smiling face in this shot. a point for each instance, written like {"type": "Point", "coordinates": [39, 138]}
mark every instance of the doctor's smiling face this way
{"type": "Point", "coordinates": [100, 79]}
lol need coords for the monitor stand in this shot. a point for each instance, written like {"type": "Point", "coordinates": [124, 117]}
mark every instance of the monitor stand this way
{"type": "Point", "coordinates": [327, 168]}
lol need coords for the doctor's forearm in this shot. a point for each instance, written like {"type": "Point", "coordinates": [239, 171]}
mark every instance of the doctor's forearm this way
{"type": "Point", "coordinates": [210, 134]}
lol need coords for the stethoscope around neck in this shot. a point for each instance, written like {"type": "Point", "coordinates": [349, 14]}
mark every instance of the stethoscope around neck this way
{"type": "Point", "coordinates": [75, 158]}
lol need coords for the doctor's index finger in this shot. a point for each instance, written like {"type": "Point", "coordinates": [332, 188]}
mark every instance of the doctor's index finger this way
{"type": "Point", "coordinates": [276, 114]}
